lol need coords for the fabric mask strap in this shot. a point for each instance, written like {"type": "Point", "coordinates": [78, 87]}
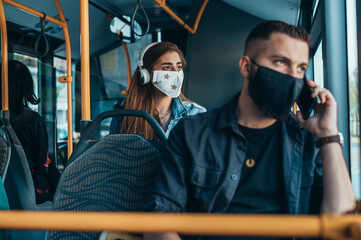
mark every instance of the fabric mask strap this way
{"type": "Point", "coordinates": [254, 62]}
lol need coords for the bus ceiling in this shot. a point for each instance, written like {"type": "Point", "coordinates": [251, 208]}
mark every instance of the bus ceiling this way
{"type": "Point", "coordinates": [99, 11]}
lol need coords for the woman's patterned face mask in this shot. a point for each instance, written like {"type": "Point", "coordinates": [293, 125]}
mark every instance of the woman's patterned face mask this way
{"type": "Point", "coordinates": [168, 82]}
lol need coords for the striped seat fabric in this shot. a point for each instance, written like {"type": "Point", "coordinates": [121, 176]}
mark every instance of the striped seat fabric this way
{"type": "Point", "coordinates": [4, 157]}
{"type": "Point", "coordinates": [115, 174]}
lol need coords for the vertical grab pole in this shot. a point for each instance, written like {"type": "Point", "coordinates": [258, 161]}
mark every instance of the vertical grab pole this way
{"type": "Point", "coordinates": [128, 67]}
{"type": "Point", "coordinates": [69, 77]}
{"type": "Point", "coordinates": [4, 59]}
{"type": "Point", "coordinates": [85, 69]}
{"type": "Point", "coordinates": [294, 108]}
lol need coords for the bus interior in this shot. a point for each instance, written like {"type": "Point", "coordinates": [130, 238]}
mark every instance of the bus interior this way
{"type": "Point", "coordinates": [211, 34]}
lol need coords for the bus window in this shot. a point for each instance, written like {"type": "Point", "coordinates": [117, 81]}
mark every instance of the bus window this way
{"type": "Point", "coordinates": [353, 97]}
{"type": "Point", "coordinates": [117, 25]}
{"type": "Point", "coordinates": [114, 72]}
{"type": "Point", "coordinates": [114, 66]}
{"type": "Point", "coordinates": [318, 66]}
{"type": "Point", "coordinates": [61, 100]}
{"type": "Point", "coordinates": [315, 5]}
{"type": "Point", "coordinates": [59, 65]}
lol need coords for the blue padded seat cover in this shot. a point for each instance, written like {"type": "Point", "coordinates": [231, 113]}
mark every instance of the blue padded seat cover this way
{"type": "Point", "coordinates": [4, 157]}
{"type": "Point", "coordinates": [115, 174]}
{"type": "Point", "coordinates": [18, 181]}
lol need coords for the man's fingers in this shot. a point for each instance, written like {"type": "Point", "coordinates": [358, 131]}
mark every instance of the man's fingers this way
{"type": "Point", "coordinates": [312, 84]}
{"type": "Point", "coordinates": [327, 97]}
{"type": "Point", "coordinates": [316, 92]}
{"type": "Point", "coordinates": [323, 94]}
{"type": "Point", "coordinates": [300, 118]}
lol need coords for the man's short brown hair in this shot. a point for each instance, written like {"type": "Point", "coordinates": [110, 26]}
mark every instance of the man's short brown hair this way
{"type": "Point", "coordinates": [264, 30]}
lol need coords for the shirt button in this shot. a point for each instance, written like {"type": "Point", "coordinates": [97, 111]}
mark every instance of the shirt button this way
{"type": "Point", "coordinates": [234, 177]}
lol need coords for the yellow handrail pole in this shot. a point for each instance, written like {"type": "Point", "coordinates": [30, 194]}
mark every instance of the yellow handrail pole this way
{"type": "Point", "coordinates": [194, 224]}
{"type": "Point", "coordinates": [4, 59]}
{"type": "Point", "coordinates": [325, 226]}
{"type": "Point", "coordinates": [162, 4]}
{"type": "Point", "coordinates": [294, 108]}
{"type": "Point", "coordinates": [69, 76]}
{"type": "Point", "coordinates": [34, 12]}
{"type": "Point", "coordinates": [85, 69]}
{"type": "Point", "coordinates": [128, 66]}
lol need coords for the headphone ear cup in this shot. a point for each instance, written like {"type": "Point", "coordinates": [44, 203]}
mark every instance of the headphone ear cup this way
{"type": "Point", "coordinates": [144, 76]}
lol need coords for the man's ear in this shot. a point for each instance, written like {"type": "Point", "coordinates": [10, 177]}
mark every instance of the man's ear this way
{"type": "Point", "coordinates": [245, 66]}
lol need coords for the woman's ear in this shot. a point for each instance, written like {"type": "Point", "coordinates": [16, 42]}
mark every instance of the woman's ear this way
{"type": "Point", "coordinates": [245, 66]}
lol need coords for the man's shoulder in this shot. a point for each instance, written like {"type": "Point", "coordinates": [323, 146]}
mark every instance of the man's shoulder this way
{"type": "Point", "coordinates": [201, 120]}
{"type": "Point", "coordinates": [193, 130]}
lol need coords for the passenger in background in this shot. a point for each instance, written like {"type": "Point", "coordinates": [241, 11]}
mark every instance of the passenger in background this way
{"type": "Point", "coordinates": [156, 88]}
{"type": "Point", "coordinates": [31, 131]}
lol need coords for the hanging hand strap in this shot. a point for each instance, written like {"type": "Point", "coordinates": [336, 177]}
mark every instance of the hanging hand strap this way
{"type": "Point", "coordinates": [42, 34]}
{"type": "Point", "coordinates": [139, 3]}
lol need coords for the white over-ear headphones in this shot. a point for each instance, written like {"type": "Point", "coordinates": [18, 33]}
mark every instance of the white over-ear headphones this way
{"type": "Point", "coordinates": [144, 74]}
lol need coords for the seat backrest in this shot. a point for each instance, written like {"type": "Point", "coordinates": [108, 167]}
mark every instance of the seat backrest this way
{"type": "Point", "coordinates": [4, 154]}
{"type": "Point", "coordinates": [86, 140]}
{"type": "Point", "coordinates": [18, 182]}
{"type": "Point", "coordinates": [116, 174]}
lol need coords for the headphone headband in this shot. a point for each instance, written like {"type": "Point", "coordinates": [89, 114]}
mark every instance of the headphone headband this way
{"type": "Point", "coordinates": [142, 53]}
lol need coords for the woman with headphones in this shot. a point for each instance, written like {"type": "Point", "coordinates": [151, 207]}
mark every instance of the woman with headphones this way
{"type": "Point", "coordinates": [156, 89]}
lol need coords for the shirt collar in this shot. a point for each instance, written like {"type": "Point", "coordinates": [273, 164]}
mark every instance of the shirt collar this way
{"type": "Point", "coordinates": [228, 117]}
{"type": "Point", "coordinates": [178, 108]}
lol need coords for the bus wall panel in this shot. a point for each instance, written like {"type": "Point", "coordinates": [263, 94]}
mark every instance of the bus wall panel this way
{"type": "Point", "coordinates": [212, 76]}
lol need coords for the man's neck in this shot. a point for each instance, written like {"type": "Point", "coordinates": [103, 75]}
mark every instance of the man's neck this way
{"type": "Point", "coordinates": [249, 115]}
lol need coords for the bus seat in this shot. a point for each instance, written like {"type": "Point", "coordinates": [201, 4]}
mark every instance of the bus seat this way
{"type": "Point", "coordinates": [114, 175]}
{"type": "Point", "coordinates": [4, 155]}
{"type": "Point", "coordinates": [86, 140]}
{"type": "Point", "coordinates": [118, 236]}
{"type": "Point", "coordinates": [18, 182]}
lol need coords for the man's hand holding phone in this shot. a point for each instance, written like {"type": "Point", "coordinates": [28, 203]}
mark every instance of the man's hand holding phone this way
{"type": "Point", "coordinates": [324, 122]}
{"type": "Point", "coordinates": [305, 102]}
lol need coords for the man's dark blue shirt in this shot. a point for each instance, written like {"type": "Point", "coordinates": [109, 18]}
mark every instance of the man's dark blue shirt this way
{"type": "Point", "coordinates": [202, 165]}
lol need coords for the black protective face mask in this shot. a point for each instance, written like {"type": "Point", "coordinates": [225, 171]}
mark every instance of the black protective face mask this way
{"type": "Point", "coordinates": [275, 91]}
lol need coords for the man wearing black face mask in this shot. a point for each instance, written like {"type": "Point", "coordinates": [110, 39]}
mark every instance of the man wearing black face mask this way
{"type": "Point", "coordinates": [273, 92]}
{"type": "Point", "coordinates": [253, 155]}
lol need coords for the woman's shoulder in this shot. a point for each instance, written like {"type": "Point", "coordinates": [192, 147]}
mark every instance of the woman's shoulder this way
{"type": "Point", "coordinates": [27, 120]}
{"type": "Point", "coordinates": [193, 108]}
{"type": "Point", "coordinates": [27, 115]}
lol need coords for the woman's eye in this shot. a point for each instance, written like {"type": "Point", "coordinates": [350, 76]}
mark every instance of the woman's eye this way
{"type": "Point", "coordinates": [179, 68]}
{"type": "Point", "coordinates": [166, 68]}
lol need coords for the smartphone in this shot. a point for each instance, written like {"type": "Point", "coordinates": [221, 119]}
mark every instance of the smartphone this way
{"type": "Point", "coordinates": [305, 102]}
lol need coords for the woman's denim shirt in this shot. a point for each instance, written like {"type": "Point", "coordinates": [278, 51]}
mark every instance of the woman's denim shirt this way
{"type": "Point", "coordinates": [179, 109]}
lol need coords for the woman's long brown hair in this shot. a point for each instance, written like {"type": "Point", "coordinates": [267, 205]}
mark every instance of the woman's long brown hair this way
{"type": "Point", "coordinates": [141, 97]}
